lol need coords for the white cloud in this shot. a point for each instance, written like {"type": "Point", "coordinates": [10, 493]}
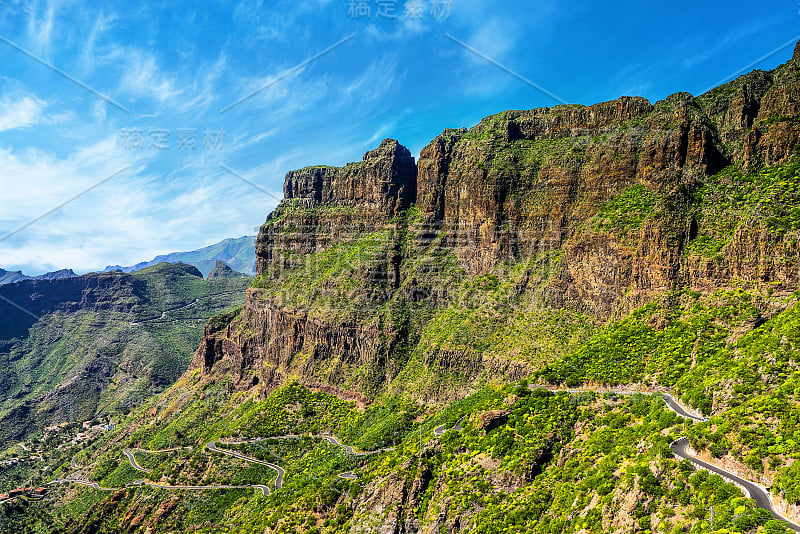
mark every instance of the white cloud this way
{"type": "Point", "coordinates": [20, 113]}
{"type": "Point", "coordinates": [135, 216]}
{"type": "Point", "coordinates": [102, 24]}
{"type": "Point", "coordinates": [374, 83]}
{"type": "Point", "coordinates": [143, 78]}
{"type": "Point", "coordinates": [494, 38]}
{"type": "Point", "coordinates": [202, 90]}
{"type": "Point", "coordinates": [40, 24]}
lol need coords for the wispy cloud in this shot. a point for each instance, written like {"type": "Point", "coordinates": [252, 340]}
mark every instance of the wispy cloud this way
{"type": "Point", "coordinates": [20, 112]}
{"type": "Point", "coordinates": [374, 82]}
{"type": "Point", "coordinates": [143, 78]}
{"type": "Point", "coordinates": [88, 57]}
{"type": "Point", "coordinates": [132, 217]}
{"type": "Point", "coordinates": [41, 24]}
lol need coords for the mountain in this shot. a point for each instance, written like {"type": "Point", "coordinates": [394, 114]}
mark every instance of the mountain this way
{"type": "Point", "coordinates": [237, 253]}
{"type": "Point", "coordinates": [11, 277]}
{"type": "Point", "coordinates": [73, 347]}
{"type": "Point", "coordinates": [56, 275]}
{"type": "Point", "coordinates": [222, 270]}
{"type": "Point", "coordinates": [520, 332]}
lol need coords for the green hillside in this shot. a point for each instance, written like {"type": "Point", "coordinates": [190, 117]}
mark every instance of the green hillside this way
{"type": "Point", "coordinates": [110, 351]}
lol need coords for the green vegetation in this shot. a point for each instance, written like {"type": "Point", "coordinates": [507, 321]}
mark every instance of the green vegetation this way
{"type": "Point", "coordinates": [445, 338]}
{"type": "Point", "coordinates": [625, 213]}
{"type": "Point", "coordinates": [731, 202]}
{"type": "Point", "coordinates": [73, 365]}
{"type": "Point", "coordinates": [695, 352]}
{"type": "Point", "coordinates": [527, 460]}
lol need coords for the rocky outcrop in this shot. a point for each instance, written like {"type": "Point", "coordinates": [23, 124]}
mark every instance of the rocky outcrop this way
{"type": "Point", "coordinates": [344, 262]}
{"type": "Point", "coordinates": [222, 270]}
{"type": "Point", "coordinates": [775, 132]}
{"type": "Point", "coordinates": [280, 332]}
{"type": "Point", "coordinates": [384, 181]}
{"type": "Point", "coordinates": [323, 206]}
{"type": "Point", "coordinates": [488, 421]}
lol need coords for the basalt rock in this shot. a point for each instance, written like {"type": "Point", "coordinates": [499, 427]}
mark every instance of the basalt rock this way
{"type": "Point", "coordinates": [488, 421]}
{"type": "Point", "coordinates": [518, 186]}
{"type": "Point", "coordinates": [223, 270]}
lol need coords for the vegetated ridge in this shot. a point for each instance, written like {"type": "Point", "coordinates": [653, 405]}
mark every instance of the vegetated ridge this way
{"type": "Point", "coordinates": [99, 343]}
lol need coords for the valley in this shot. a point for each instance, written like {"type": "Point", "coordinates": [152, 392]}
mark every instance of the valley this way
{"type": "Point", "coordinates": [569, 319]}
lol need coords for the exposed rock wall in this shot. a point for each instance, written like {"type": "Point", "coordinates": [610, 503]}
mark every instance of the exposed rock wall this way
{"type": "Point", "coordinates": [520, 184]}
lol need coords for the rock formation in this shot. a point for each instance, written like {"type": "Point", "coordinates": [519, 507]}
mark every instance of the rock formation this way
{"type": "Point", "coordinates": [350, 252]}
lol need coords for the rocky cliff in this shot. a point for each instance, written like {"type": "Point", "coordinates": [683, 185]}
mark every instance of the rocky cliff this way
{"type": "Point", "coordinates": [378, 273]}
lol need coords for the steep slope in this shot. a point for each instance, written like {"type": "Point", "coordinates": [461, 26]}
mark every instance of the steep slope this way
{"type": "Point", "coordinates": [73, 347]}
{"type": "Point", "coordinates": [548, 220]}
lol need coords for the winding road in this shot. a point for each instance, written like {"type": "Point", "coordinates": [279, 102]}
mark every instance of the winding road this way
{"type": "Point", "coordinates": [759, 494]}
{"type": "Point", "coordinates": [181, 307]}
{"type": "Point", "coordinates": [135, 464]}
{"type": "Point", "coordinates": [678, 408]}
{"type": "Point", "coordinates": [132, 460]}
{"type": "Point", "coordinates": [333, 440]}
{"type": "Point", "coordinates": [264, 489]}
{"type": "Point", "coordinates": [212, 446]}
{"type": "Point", "coordinates": [679, 447]}
{"type": "Point", "coordinates": [94, 485]}
{"type": "Point", "coordinates": [440, 430]}
{"type": "Point", "coordinates": [142, 482]}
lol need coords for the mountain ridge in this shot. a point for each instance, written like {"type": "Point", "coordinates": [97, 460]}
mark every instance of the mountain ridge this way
{"type": "Point", "coordinates": [236, 252]}
{"type": "Point", "coordinates": [596, 204]}
{"type": "Point", "coordinates": [12, 277]}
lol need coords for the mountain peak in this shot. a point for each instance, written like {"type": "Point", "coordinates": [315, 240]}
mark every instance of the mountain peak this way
{"type": "Point", "coordinates": [223, 270]}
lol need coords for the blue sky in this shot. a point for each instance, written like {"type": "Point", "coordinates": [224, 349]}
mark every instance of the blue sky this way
{"type": "Point", "coordinates": [166, 70]}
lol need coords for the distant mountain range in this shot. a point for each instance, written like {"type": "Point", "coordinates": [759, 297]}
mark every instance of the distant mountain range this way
{"type": "Point", "coordinates": [10, 277]}
{"type": "Point", "coordinates": [238, 253]}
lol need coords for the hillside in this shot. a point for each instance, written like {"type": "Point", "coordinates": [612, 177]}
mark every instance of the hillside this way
{"type": "Point", "coordinates": [99, 344]}
{"type": "Point", "coordinates": [511, 243]}
{"type": "Point", "coordinates": [513, 334]}
{"type": "Point", "coordinates": [237, 253]}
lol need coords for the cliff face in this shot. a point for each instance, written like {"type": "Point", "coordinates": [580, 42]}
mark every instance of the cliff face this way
{"type": "Point", "coordinates": [325, 205]}
{"type": "Point", "coordinates": [600, 208]}
{"type": "Point", "coordinates": [523, 183]}
{"type": "Point", "coordinates": [384, 181]}
{"type": "Point", "coordinates": [332, 239]}
{"type": "Point", "coordinates": [40, 297]}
